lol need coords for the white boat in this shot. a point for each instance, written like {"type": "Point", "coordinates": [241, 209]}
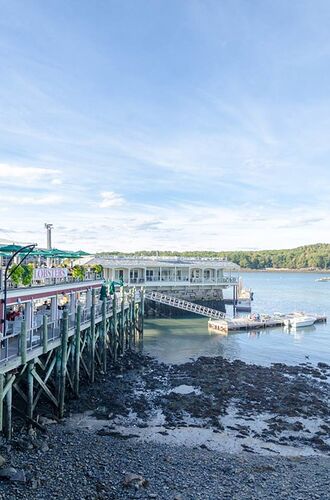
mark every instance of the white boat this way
{"type": "Point", "coordinates": [299, 321]}
{"type": "Point", "coordinates": [325, 278]}
{"type": "Point", "coordinates": [244, 297]}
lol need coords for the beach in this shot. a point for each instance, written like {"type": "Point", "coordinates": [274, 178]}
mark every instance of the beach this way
{"type": "Point", "coordinates": [207, 429]}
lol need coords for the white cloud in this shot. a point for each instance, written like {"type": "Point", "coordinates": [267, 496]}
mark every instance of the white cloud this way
{"type": "Point", "coordinates": [56, 182]}
{"type": "Point", "coordinates": [18, 175]}
{"type": "Point", "coordinates": [110, 199]}
{"type": "Point", "coordinates": [48, 199]}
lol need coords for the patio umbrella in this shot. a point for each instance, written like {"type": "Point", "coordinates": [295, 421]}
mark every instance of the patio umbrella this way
{"type": "Point", "coordinates": [81, 253]}
{"type": "Point", "coordinates": [10, 248]}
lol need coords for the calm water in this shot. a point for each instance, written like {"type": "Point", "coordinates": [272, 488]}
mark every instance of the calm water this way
{"type": "Point", "coordinates": [177, 340]}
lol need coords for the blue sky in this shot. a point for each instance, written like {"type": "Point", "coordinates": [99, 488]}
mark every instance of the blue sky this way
{"type": "Point", "coordinates": [165, 124]}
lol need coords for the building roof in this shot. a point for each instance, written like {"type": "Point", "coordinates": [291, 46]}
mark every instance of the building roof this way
{"type": "Point", "coordinates": [135, 262]}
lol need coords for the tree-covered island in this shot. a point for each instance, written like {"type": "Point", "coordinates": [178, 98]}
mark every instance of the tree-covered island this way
{"type": "Point", "coordinates": [304, 257]}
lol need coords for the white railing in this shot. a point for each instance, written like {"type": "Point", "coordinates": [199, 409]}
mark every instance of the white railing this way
{"type": "Point", "coordinates": [52, 281]}
{"type": "Point", "coordinates": [172, 281]}
{"type": "Point", "coordinates": [184, 305]}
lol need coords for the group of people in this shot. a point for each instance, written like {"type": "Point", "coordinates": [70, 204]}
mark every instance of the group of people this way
{"type": "Point", "coordinates": [13, 314]}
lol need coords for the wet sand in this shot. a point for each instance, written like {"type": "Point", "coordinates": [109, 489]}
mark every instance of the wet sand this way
{"type": "Point", "coordinates": [206, 429]}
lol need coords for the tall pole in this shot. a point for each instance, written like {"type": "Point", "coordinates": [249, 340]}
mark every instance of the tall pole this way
{"type": "Point", "coordinates": [49, 235]}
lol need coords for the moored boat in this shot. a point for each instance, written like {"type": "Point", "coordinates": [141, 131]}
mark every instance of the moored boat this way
{"type": "Point", "coordinates": [244, 298]}
{"type": "Point", "coordinates": [300, 321]}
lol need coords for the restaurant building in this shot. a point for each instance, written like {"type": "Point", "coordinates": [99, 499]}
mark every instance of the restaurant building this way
{"type": "Point", "coordinates": [197, 280]}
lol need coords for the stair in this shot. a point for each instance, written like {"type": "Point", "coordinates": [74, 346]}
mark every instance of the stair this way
{"type": "Point", "coordinates": [184, 305]}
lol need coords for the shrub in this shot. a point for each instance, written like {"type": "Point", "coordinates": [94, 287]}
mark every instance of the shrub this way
{"type": "Point", "coordinates": [78, 272]}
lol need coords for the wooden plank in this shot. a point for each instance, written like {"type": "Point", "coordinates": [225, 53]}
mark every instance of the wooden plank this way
{"type": "Point", "coordinates": [45, 388]}
{"type": "Point", "coordinates": [48, 374]}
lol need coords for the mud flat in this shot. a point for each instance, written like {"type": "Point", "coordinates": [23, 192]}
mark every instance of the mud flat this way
{"type": "Point", "coordinates": [206, 429]}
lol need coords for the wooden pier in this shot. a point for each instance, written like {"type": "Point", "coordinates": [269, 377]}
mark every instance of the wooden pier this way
{"type": "Point", "coordinates": [50, 365]}
{"type": "Point", "coordinates": [246, 323]}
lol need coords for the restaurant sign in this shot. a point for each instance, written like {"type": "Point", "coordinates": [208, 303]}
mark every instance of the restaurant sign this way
{"type": "Point", "coordinates": [42, 273]}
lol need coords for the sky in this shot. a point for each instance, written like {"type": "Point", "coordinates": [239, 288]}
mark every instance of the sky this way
{"type": "Point", "coordinates": [165, 124]}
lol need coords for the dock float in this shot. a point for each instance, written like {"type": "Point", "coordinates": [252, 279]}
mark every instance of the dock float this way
{"type": "Point", "coordinates": [246, 323]}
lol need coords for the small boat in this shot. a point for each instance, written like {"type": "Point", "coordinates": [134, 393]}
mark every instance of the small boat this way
{"type": "Point", "coordinates": [324, 278]}
{"type": "Point", "coordinates": [244, 298]}
{"type": "Point", "coordinates": [299, 321]}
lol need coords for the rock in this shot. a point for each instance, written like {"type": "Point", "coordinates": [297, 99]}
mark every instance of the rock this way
{"type": "Point", "coordinates": [32, 433]}
{"type": "Point", "coordinates": [35, 483]}
{"type": "Point", "coordinates": [11, 474]}
{"type": "Point", "coordinates": [135, 480]}
{"type": "Point", "coordinates": [115, 434]}
{"type": "Point", "coordinates": [47, 421]}
{"type": "Point", "coordinates": [264, 468]}
{"type": "Point", "coordinates": [323, 365]}
{"type": "Point", "coordinates": [2, 461]}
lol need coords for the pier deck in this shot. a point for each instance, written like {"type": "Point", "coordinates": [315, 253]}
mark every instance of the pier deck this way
{"type": "Point", "coordinates": [245, 323]}
{"type": "Point", "coordinates": [48, 362]}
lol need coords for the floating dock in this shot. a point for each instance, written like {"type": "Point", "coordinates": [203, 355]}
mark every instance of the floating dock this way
{"type": "Point", "coordinates": [246, 323]}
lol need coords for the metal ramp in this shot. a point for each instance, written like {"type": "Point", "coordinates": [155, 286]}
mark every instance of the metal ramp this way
{"type": "Point", "coordinates": [184, 305]}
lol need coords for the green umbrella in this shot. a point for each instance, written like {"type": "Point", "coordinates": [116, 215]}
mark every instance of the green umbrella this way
{"type": "Point", "coordinates": [60, 254]}
{"type": "Point", "coordinates": [10, 248]}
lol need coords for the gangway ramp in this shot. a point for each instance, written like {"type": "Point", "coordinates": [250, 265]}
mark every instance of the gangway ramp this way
{"type": "Point", "coordinates": [184, 305]}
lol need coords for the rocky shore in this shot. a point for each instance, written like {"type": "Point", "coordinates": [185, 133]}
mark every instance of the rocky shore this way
{"type": "Point", "coordinates": [208, 429]}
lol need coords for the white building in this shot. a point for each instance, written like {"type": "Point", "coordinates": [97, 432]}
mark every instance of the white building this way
{"type": "Point", "coordinates": [156, 272]}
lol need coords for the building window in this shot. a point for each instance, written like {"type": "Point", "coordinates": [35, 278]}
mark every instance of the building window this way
{"type": "Point", "coordinates": [149, 275]}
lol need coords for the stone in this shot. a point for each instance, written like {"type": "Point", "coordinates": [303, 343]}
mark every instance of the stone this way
{"type": "Point", "coordinates": [135, 480]}
{"type": "Point", "coordinates": [12, 474]}
{"type": "Point", "coordinates": [2, 461]}
{"type": "Point", "coordinates": [47, 421]}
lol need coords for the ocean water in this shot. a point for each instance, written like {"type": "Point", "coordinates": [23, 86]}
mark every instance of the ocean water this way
{"type": "Point", "coordinates": [178, 340]}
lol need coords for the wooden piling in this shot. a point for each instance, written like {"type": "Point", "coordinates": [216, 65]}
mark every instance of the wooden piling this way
{"type": "Point", "coordinates": [23, 343]}
{"type": "Point", "coordinates": [122, 320]}
{"type": "Point", "coordinates": [64, 347]}
{"type": "Point", "coordinates": [8, 407]}
{"type": "Point", "coordinates": [104, 336]}
{"type": "Point", "coordinates": [58, 369]}
{"type": "Point", "coordinates": [1, 400]}
{"type": "Point", "coordinates": [130, 323]}
{"type": "Point", "coordinates": [30, 389]}
{"type": "Point", "coordinates": [92, 338]}
{"type": "Point", "coordinates": [133, 330]}
{"type": "Point", "coordinates": [45, 334]}
{"type": "Point", "coordinates": [77, 351]}
{"type": "Point", "coordinates": [141, 314]}
{"type": "Point", "coordinates": [115, 327]}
